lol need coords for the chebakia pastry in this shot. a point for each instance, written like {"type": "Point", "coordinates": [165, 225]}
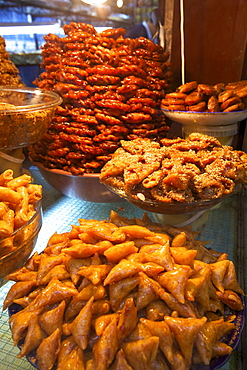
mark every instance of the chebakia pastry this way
{"type": "Point", "coordinates": [124, 293]}
{"type": "Point", "coordinates": [111, 87]}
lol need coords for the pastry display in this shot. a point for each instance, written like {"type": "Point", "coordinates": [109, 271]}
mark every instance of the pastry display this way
{"type": "Point", "coordinates": [198, 168]}
{"type": "Point", "coordinates": [196, 97]}
{"type": "Point", "coordinates": [124, 293]}
{"type": "Point", "coordinates": [112, 89]}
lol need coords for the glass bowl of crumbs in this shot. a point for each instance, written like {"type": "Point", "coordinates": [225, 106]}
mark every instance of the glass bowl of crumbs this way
{"type": "Point", "coordinates": [25, 114]}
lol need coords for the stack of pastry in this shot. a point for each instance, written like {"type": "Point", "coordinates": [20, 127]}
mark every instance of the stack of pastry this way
{"type": "Point", "coordinates": [9, 73]}
{"type": "Point", "coordinates": [112, 88]}
{"type": "Point", "coordinates": [125, 294]}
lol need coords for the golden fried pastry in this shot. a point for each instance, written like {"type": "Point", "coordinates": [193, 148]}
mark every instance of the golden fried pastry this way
{"type": "Point", "coordinates": [48, 350]}
{"type": "Point", "coordinates": [80, 327]}
{"type": "Point", "coordinates": [34, 336]}
{"type": "Point", "coordinates": [127, 320]}
{"type": "Point", "coordinates": [142, 353]}
{"type": "Point", "coordinates": [206, 340]}
{"type": "Point", "coordinates": [161, 329]}
{"type": "Point", "coordinates": [20, 289]}
{"type": "Point", "coordinates": [175, 281]}
{"type": "Point", "coordinates": [192, 327]}
{"type": "Point", "coordinates": [53, 318]}
{"type": "Point", "coordinates": [106, 347]}
{"type": "Point", "coordinates": [196, 97]}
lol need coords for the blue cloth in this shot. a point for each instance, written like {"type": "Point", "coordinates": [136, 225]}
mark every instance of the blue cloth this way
{"type": "Point", "coordinates": [138, 31]}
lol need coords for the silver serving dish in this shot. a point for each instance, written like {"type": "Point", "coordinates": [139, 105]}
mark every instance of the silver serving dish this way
{"type": "Point", "coordinates": [86, 187]}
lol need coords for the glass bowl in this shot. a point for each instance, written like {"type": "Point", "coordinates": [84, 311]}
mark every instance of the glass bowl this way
{"type": "Point", "coordinates": [155, 206]}
{"type": "Point", "coordinates": [23, 241]}
{"type": "Point", "coordinates": [25, 114]}
{"type": "Point", "coordinates": [205, 118]}
{"type": "Point", "coordinates": [86, 187]}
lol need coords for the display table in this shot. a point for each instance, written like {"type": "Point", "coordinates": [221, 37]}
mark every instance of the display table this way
{"type": "Point", "coordinates": [225, 230]}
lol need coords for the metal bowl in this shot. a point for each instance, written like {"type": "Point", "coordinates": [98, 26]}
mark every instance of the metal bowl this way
{"type": "Point", "coordinates": [24, 115]}
{"type": "Point", "coordinates": [86, 187]}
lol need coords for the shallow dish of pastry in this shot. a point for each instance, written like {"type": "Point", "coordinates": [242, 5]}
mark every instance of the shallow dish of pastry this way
{"type": "Point", "coordinates": [206, 105]}
{"type": "Point", "coordinates": [109, 303]}
{"type": "Point", "coordinates": [175, 176]}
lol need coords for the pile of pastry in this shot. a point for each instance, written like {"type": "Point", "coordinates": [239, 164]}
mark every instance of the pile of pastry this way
{"type": "Point", "coordinates": [18, 198]}
{"type": "Point", "coordinates": [197, 97]}
{"type": "Point", "coordinates": [112, 89]}
{"type": "Point", "coordinates": [9, 73]}
{"type": "Point", "coordinates": [124, 293]}
{"type": "Point", "coordinates": [198, 168]}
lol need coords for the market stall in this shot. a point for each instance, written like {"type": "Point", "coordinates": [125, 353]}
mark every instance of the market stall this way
{"type": "Point", "coordinates": [131, 154]}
